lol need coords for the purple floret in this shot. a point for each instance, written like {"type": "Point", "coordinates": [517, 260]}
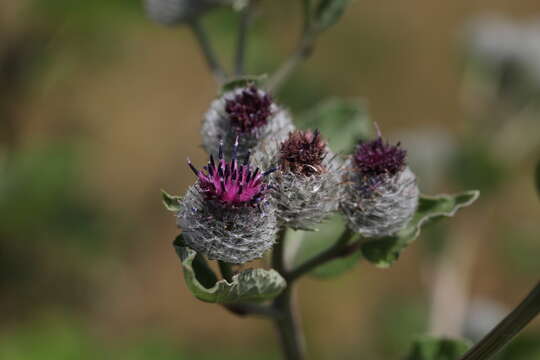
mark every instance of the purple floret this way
{"type": "Point", "coordinates": [376, 158]}
{"type": "Point", "coordinates": [249, 110]}
{"type": "Point", "coordinates": [229, 183]}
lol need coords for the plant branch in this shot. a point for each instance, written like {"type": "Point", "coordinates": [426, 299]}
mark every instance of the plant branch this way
{"type": "Point", "coordinates": [241, 43]}
{"type": "Point", "coordinates": [253, 309]}
{"type": "Point", "coordinates": [303, 50]}
{"type": "Point", "coordinates": [288, 326]}
{"type": "Point", "coordinates": [226, 270]}
{"type": "Point", "coordinates": [340, 248]}
{"type": "Point", "coordinates": [509, 327]}
{"type": "Point", "coordinates": [278, 252]}
{"type": "Point", "coordinates": [211, 59]}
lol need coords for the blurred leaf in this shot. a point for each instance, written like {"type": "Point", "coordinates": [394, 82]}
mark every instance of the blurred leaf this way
{"type": "Point", "coordinates": [314, 242]}
{"type": "Point", "coordinates": [171, 202]}
{"type": "Point", "coordinates": [86, 15]}
{"type": "Point", "coordinates": [432, 348]}
{"type": "Point", "coordinates": [342, 122]}
{"type": "Point", "coordinates": [243, 81]}
{"type": "Point", "coordinates": [524, 347]}
{"type": "Point", "coordinates": [57, 207]}
{"type": "Point", "coordinates": [474, 165]}
{"type": "Point", "coordinates": [385, 251]}
{"type": "Point", "coordinates": [537, 177]}
{"type": "Point", "coordinates": [251, 285]}
{"type": "Point", "coordinates": [329, 12]}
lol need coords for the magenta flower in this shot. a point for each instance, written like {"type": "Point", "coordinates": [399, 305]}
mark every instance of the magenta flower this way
{"type": "Point", "coordinates": [229, 183]}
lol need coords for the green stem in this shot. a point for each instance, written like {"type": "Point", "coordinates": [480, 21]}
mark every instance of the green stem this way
{"type": "Point", "coordinates": [288, 326]}
{"type": "Point", "coordinates": [278, 252]}
{"type": "Point", "coordinates": [289, 329]}
{"type": "Point", "coordinates": [303, 50]}
{"type": "Point", "coordinates": [241, 43]}
{"type": "Point", "coordinates": [340, 248]}
{"type": "Point", "coordinates": [226, 270]}
{"type": "Point", "coordinates": [207, 51]}
{"type": "Point", "coordinates": [509, 327]}
{"type": "Point", "coordinates": [246, 309]}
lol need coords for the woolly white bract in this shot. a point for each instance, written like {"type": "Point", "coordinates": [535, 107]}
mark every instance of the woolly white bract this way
{"type": "Point", "coordinates": [217, 125]}
{"type": "Point", "coordinates": [233, 235]}
{"type": "Point", "coordinates": [381, 208]}
{"type": "Point", "coordinates": [304, 201]}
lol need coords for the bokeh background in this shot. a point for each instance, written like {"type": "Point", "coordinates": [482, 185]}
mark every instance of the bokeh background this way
{"type": "Point", "coordinates": [99, 107]}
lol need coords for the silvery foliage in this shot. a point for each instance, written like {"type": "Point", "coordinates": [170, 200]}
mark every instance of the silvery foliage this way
{"type": "Point", "coordinates": [381, 208]}
{"type": "Point", "coordinates": [216, 125]}
{"type": "Point", "coordinates": [496, 40]}
{"type": "Point", "coordinates": [233, 235]}
{"type": "Point", "coordinates": [304, 201]}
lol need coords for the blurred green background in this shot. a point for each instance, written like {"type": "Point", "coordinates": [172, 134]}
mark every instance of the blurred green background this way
{"type": "Point", "coordinates": [99, 108]}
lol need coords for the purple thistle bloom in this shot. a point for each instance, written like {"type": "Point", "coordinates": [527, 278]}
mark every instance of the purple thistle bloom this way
{"type": "Point", "coordinates": [376, 158]}
{"type": "Point", "coordinates": [249, 110]}
{"type": "Point", "coordinates": [229, 183]}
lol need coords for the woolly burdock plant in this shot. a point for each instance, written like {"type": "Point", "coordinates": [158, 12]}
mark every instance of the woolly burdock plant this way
{"type": "Point", "coordinates": [380, 191]}
{"type": "Point", "coordinates": [307, 182]}
{"type": "Point", "coordinates": [226, 215]}
{"type": "Point", "coordinates": [247, 113]}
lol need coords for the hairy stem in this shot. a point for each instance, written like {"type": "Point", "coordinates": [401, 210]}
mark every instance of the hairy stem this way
{"type": "Point", "coordinates": [278, 252]}
{"type": "Point", "coordinates": [509, 327]}
{"type": "Point", "coordinates": [303, 50]}
{"type": "Point", "coordinates": [241, 43]}
{"type": "Point", "coordinates": [253, 309]}
{"type": "Point", "coordinates": [208, 52]}
{"type": "Point", "coordinates": [340, 248]}
{"type": "Point", "coordinates": [288, 325]}
{"type": "Point", "coordinates": [226, 270]}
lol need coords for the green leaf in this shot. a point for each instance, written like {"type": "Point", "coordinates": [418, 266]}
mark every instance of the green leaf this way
{"type": "Point", "coordinates": [342, 122]}
{"type": "Point", "coordinates": [432, 348]}
{"type": "Point", "coordinates": [171, 202]}
{"type": "Point", "coordinates": [537, 177]}
{"type": "Point", "coordinates": [243, 81]}
{"type": "Point", "coordinates": [385, 251]}
{"type": "Point", "coordinates": [251, 285]}
{"type": "Point", "coordinates": [328, 13]}
{"type": "Point", "coordinates": [314, 242]}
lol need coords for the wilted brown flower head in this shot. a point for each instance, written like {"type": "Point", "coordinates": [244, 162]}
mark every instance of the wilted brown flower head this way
{"type": "Point", "coordinates": [303, 153]}
{"type": "Point", "coordinates": [249, 110]}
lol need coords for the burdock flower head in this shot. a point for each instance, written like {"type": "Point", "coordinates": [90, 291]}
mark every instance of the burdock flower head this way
{"type": "Point", "coordinates": [307, 182]}
{"type": "Point", "coordinates": [381, 195]}
{"type": "Point", "coordinates": [225, 215]}
{"type": "Point", "coordinates": [248, 113]}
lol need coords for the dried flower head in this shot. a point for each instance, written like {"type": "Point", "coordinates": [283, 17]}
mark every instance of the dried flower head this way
{"type": "Point", "coordinates": [306, 185]}
{"type": "Point", "coordinates": [376, 158]}
{"type": "Point", "coordinates": [303, 153]}
{"type": "Point", "coordinates": [249, 110]}
{"type": "Point", "coordinates": [248, 113]}
{"type": "Point", "coordinates": [381, 194]}
{"type": "Point", "coordinates": [225, 215]}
